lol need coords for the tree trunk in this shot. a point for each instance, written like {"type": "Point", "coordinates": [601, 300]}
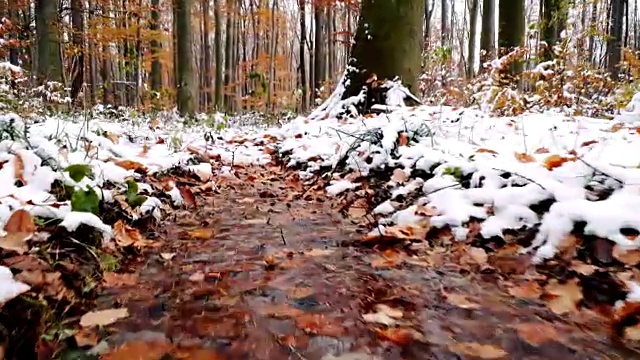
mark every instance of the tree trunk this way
{"type": "Point", "coordinates": [488, 35]}
{"type": "Point", "coordinates": [156, 65]}
{"type": "Point", "coordinates": [206, 48]}
{"type": "Point", "coordinates": [49, 64]}
{"type": "Point", "coordinates": [228, 53]}
{"type": "Point", "coordinates": [330, 43]}
{"type": "Point", "coordinates": [318, 56]}
{"type": "Point", "coordinates": [511, 28]}
{"type": "Point", "coordinates": [444, 24]}
{"type": "Point", "coordinates": [77, 24]}
{"type": "Point", "coordinates": [218, 53]}
{"type": "Point", "coordinates": [473, 32]}
{"type": "Point", "coordinates": [184, 64]}
{"type": "Point", "coordinates": [13, 16]}
{"type": "Point", "coordinates": [388, 43]}
{"type": "Point", "coordinates": [554, 18]}
{"type": "Point", "coordinates": [302, 75]}
{"type": "Point", "coordinates": [272, 55]}
{"type": "Point", "coordinates": [614, 54]}
{"type": "Point", "coordinates": [593, 27]}
{"type": "Point", "coordinates": [428, 14]}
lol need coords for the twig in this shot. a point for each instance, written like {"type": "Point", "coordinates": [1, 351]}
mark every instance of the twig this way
{"type": "Point", "coordinates": [284, 241]}
{"type": "Point", "coordinates": [522, 176]}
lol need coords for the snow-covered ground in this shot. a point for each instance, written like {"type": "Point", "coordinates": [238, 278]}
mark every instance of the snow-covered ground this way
{"type": "Point", "coordinates": [461, 163]}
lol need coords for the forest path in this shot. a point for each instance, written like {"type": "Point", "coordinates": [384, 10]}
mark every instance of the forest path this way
{"type": "Point", "coordinates": [250, 273]}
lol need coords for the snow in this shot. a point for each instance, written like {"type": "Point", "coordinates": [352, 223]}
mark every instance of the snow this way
{"type": "Point", "coordinates": [9, 287]}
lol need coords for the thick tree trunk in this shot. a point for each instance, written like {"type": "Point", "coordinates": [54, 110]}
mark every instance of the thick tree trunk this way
{"type": "Point", "coordinates": [444, 24]}
{"type": "Point", "coordinates": [511, 28]}
{"type": "Point", "coordinates": [156, 65]}
{"type": "Point", "coordinates": [388, 43]}
{"type": "Point", "coordinates": [49, 64]}
{"type": "Point", "coordinates": [184, 64]}
{"type": "Point", "coordinates": [228, 54]}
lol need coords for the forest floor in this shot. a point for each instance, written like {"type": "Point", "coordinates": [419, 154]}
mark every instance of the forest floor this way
{"type": "Point", "coordinates": [255, 272]}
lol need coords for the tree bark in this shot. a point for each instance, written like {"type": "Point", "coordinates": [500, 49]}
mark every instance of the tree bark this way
{"type": "Point", "coordinates": [302, 74]}
{"type": "Point", "coordinates": [488, 37]}
{"type": "Point", "coordinates": [444, 24]}
{"type": "Point", "coordinates": [49, 64]}
{"type": "Point", "coordinates": [511, 28]}
{"type": "Point", "coordinates": [184, 64]}
{"type": "Point", "coordinates": [318, 56]}
{"type": "Point", "coordinates": [156, 65]}
{"type": "Point", "coordinates": [77, 24]}
{"type": "Point", "coordinates": [473, 32]}
{"type": "Point", "coordinates": [554, 18]}
{"type": "Point", "coordinates": [218, 53]}
{"type": "Point", "coordinates": [614, 54]}
{"type": "Point", "coordinates": [206, 48]}
{"type": "Point", "coordinates": [388, 43]}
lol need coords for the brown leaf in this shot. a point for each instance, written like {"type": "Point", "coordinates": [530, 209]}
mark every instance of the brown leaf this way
{"type": "Point", "coordinates": [629, 257]}
{"type": "Point", "coordinates": [615, 128]}
{"type": "Point", "coordinates": [536, 333]}
{"type": "Point", "coordinates": [131, 165]}
{"type": "Point", "coordinates": [406, 232]}
{"type": "Point", "coordinates": [563, 297]}
{"type": "Point", "coordinates": [187, 196]}
{"type": "Point", "coordinates": [201, 234]}
{"type": "Point", "coordinates": [528, 290]}
{"type": "Point", "coordinates": [20, 221]}
{"type": "Point", "coordinates": [113, 137]}
{"type": "Point", "coordinates": [154, 123]}
{"type": "Point", "coordinates": [86, 337]}
{"type": "Point", "coordinates": [489, 151]}
{"type": "Point", "coordinates": [541, 151]}
{"type": "Point", "coordinates": [524, 158]}
{"type": "Point", "coordinates": [103, 317]}
{"type": "Point", "coordinates": [478, 255]}
{"type": "Point", "coordinates": [48, 283]}
{"type": "Point", "coordinates": [399, 176]}
{"type": "Point", "coordinates": [459, 300]}
{"type": "Point", "coordinates": [478, 350]}
{"type": "Point", "coordinates": [125, 235]}
{"type": "Point", "coordinates": [555, 161]}
{"type": "Point", "coordinates": [18, 166]}
{"type": "Point", "coordinates": [145, 150]}
{"type": "Point", "coordinates": [399, 336]}
{"type": "Point", "coordinates": [322, 325]}
{"type": "Point", "coordinates": [590, 142]}
{"type": "Point", "coordinates": [112, 279]}
{"type": "Point", "coordinates": [403, 139]}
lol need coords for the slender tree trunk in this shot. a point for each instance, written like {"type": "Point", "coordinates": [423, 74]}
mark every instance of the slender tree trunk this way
{"type": "Point", "coordinates": [444, 24]}
{"type": "Point", "coordinates": [228, 53]}
{"type": "Point", "coordinates": [473, 33]}
{"type": "Point", "coordinates": [184, 62]}
{"type": "Point", "coordinates": [614, 54]}
{"type": "Point", "coordinates": [13, 16]}
{"type": "Point", "coordinates": [206, 48]}
{"type": "Point", "coordinates": [330, 43]}
{"type": "Point", "coordinates": [487, 36]}
{"type": "Point", "coordinates": [554, 18]}
{"type": "Point", "coordinates": [318, 57]}
{"type": "Point", "coordinates": [428, 15]}
{"type": "Point", "coordinates": [49, 64]}
{"type": "Point", "coordinates": [302, 74]}
{"type": "Point", "coordinates": [156, 65]}
{"type": "Point", "coordinates": [218, 53]}
{"type": "Point", "coordinates": [77, 24]}
{"type": "Point", "coordinates": [593, 28]}
{"type": "Point", "coordinates": [272, 55]}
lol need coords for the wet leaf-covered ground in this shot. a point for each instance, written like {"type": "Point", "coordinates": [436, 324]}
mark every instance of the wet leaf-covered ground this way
{"type": "Point", "coordinates": [252, 271]}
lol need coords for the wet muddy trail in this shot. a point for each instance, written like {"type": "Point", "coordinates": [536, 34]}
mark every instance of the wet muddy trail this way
{"type": "Point", "coordinates": [251, 273]}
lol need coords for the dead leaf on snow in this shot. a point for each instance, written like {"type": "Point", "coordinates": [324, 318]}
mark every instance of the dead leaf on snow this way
{"type": "Point", "coordinates": [131, 165]}
{"type": "Point", "coordinates": [537, 333]}
{"type": "Point", "coordinates": [20, 227]}
{"type": "Point", "coordinates": [489, 151]}
{"type": "Point", "coordinates": [103, 317]}
{"type": "Point", "coordinates": [403, 139]}
{"type": "Point", "coordinates": [563, 297]}
{"type": "Point", "coordinates": [18, 167]}
{"type": "Point", "coordinates": [113, 137]}
{"type": "Point", "coordinates": [144, 151]}
{"type": "Point", "coordinates": [615, 127]}
{"type": "Point", "coordinates": [524, 158]}
{"type": "Point", "coordinates": [541, 151]}
{"type": "Point", "coordinates": [399, 176]}
{"type": "Point", "coordinates": [483, 351]}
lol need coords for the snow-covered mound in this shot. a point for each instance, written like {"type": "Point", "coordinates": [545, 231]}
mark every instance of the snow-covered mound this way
{"type": "Point", "coordinates": [465, 165]}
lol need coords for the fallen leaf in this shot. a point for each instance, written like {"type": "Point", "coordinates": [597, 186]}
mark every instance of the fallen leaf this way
{"type": "Point", "coordinates": [357, 212]}
{"type": "Point", "coordinates": [167, 256]}
{"type": "Point", "coordinates": [563, 297]}
{"type": "Point", "coordinates": [541, 151]}
{"type": "Point", "coordinates": [154, 124]}
{"type": "Point", "coordinates": [399, 336]}
{"type": "Point", "coordinates": [197, 276]}
{"type": "Point", "coordinates": [403, 139]}
{"type": "Point", "coordinates": [483, 351]}
{"type": "Point", "coordinates": [201, 234]}
{"type": "Point", "coordinates": [615, 128]}
{"type": "Point", "coordinates": [582, 268]}
{"type": "Point", "coordinates": [528, 290]}
{"type": "Point", "coordinates": [86, 337]}
{"type": "Point", "coordinates": [489, 151]}
{"type": "Point", "coordinates": [399, 176]}
{"type": "Point", "coordinates": [48, 283]}
{"type": "Point", "coordinates": [536, 333]}
{"type": "Point", "coordinates": [145, 150]}
{"type": "Point", "coordinates": [459, 300]}
{"type": "Point", "coordinates": [18, 167]}
{"type": "Point", "coordinates": [590, 142]}
{"type": "Point", "coordinates": [20, 227]}
{"type": "Point", "coordinates": [103, 317]}
{"type": "Point", "coordinates": [113, 137]}
{"type": "Point", "coordinates": [141, 350]}
{"type": "Point", "coordinates": [478, 255]}
{"type": "Point", "coordinates": [112, 279]}
{"type": "Point", "coordinates": [125, 235]}
{"type": "Point", "coordinates": [319, 324]}
{"type": "Point", "coordinates": [554, 161]}
{"type": "Point", "coordinates": [278, 311]}
{"type": "Point", "coordinates": [131, 165]}
{"type": "Point", "coordinates": [319, 252]}
{"type": "Point", "coordinates": [629, 257]}
{"type": "Point", "coordinates": [524, 158]}
{"type": "Point", "coordinates": [187, 195]}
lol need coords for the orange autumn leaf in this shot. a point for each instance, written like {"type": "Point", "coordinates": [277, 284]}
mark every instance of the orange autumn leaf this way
{"type": "Point", "coordinates": [537, 333]}
{"type": "Point", "coordinates": [131, 165]}
{"type": "Point", "coordinates": [20, 221]}
{"type": "Point", "coordinates": [489, 151]}
{"type": "Point", "coordinates": [125, 235]}
{"type": "Point", "coordinates": [187, 195]}
{"type": "Point", "coordinates": [145, 150]}
{"type": "Point", "coordinates": [524, 158]}
{"type": "Point", "coordinates": [403, 139]}
{"type": "Point", "coordinates": [554, 161]}
{"type": "Point", "coordinates": [541, 151]}
{"type": "Point", "coordinates": [18, 166]}
{"type": "Point", "coordinates": [398, 336]}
